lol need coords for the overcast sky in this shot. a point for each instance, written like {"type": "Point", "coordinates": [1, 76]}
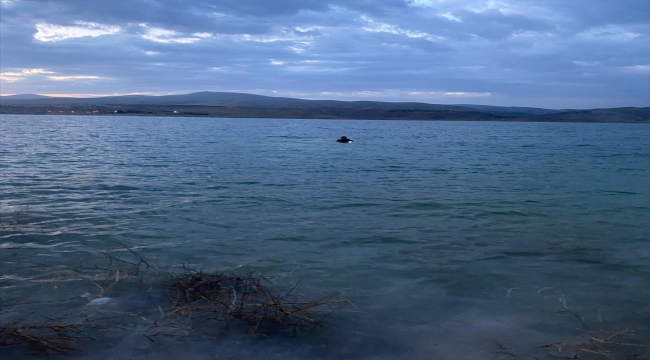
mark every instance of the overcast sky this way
{"type": "Point", "coordinates": [545, 53]}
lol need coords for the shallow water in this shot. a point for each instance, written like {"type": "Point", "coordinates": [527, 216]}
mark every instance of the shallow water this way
{"type": "Point", "coordinates": [449, 237]}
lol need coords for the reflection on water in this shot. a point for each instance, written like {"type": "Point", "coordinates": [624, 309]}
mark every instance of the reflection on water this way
{"type": "Point", "coordinates": [454, 240]}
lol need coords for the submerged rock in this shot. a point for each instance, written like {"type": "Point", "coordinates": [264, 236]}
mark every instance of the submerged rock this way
{"type": "Point", "coordinates": [95, 302]}
{"type": "Point", "coordinates": [99, 301]}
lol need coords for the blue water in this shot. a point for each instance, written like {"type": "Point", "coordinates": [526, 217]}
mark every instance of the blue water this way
{"type": "Point", "coordinates": [447, 236]}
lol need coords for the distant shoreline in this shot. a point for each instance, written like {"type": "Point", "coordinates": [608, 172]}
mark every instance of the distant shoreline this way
{"type": "Point", "coordinates": [186, 111]}
{"type": "Point", "coordinates": [240, 105]}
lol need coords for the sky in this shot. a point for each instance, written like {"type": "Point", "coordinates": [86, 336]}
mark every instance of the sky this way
{"type": "Point", "coordinates": [543, 53]}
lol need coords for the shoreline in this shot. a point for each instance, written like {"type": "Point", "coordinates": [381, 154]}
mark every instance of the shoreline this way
{"type": "Point", "coordinates": [106, 112]}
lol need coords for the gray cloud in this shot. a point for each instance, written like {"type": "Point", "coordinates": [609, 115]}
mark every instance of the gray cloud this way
{"type": "Point", "coordinates": [548, 53]}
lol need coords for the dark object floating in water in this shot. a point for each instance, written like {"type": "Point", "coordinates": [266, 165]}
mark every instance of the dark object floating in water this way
{"type": "Point", "coordinates": [344, 139]}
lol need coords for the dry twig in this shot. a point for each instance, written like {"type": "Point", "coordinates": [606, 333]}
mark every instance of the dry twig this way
{"type": "Point", "coordinates": [50, 336]}
{"type": "Point", "coordinates": [265, 309]}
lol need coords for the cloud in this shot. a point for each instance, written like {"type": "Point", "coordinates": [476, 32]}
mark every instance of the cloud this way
{"type": "Point", "coordinates": [7, 2]}
{"type": "Point", "coordinates": [314, 66]}
{"type": "Point", "coordinates": [522, 52]}
{"type": "Point", "coordinates": [203, 35]}
{"type": "Point", "coordinates": [528, 9]}
{"type": "Point", "coordinates": [26, 72]}
{"type": "Point", "coordinates": [8, 78]}
{"type": "Point", "coordinates": [165, 36]}
{"type": "Point", "coordinates": [74, 77]}
{"type": "Point", "coordinates": [467, 93]}
{"type": "Point", "coordinates": [51, 33]}
{"type": "Point", "coordinates": [449, 16]}
{"type": "Point", "coordinates": [286, 38]}
{"type": "Point", "coordinates": [12, 76]}
{"type": "Point", "coordinates": [609, 33]}
{"type": "Point", "coordinates": [637, 69]}
{"type": "Point", "coordinates": [584, 63]}
{"type": "Point", "coordinates": [229, 69]}
{"type": "Point", "coordinates": [373, 26]}
{"type": "Point", "coordinates": [317, 69]}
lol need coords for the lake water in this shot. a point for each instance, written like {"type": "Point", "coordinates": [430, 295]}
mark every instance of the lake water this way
{"type": "Point", "coordinates": [454, 240]}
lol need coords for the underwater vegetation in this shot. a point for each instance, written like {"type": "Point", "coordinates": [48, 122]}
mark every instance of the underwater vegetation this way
{"type": "Point", "coordinates": [186, 303]}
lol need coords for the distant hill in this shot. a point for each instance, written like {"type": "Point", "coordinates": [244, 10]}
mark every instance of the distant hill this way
{"type": "Point", "coordinates": [208, 98]}
{"type": "Point", "coordinates": [24, 97]}
{"type": "Point", "coordinates": [623, 114]}
{"type": "Point", "coordinates": [226, 104]}
{"type": "Point", "coordinates": [512, 111]}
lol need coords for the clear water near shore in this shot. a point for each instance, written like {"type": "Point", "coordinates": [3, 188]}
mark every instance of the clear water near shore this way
{"type": "Point", "coordinates": [449, 237]}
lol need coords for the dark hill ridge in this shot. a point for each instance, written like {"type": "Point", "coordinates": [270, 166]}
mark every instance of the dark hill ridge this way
{"type": "Point", "coordinates": [225, 104]}
{"type": "Point", "coordinates": [207, 98]}
{"type": "Point", "coordinates": [26, 97]}
{"type": "Point", "coordinates": [623, 114]}
{"type": "Point", "coordinates": [512, 111]}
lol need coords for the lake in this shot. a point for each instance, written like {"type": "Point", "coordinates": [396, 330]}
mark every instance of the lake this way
{"type": "Point", "coordinates": [452, 240]}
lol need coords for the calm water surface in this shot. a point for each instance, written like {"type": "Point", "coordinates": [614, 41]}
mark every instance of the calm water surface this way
{"type": "Point", "coordinates": [449, 237]}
